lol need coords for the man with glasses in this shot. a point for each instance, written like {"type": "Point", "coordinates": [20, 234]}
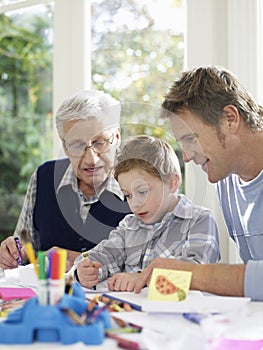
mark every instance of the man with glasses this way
{"type": "Point", "coordinates": [74, 203]}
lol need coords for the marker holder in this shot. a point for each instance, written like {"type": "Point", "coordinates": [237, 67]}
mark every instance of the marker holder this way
{"type": "Point", "coordinates": [49, 323]}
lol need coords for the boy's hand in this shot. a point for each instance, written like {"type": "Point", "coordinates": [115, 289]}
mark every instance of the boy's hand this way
{"type": "Point", "coordinates": [87, 272]}
{"type": "Point", "coordinates": [123, 281]}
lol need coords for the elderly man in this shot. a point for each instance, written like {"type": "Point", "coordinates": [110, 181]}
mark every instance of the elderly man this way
{"type": "Point", "coordinates": [74, 203]}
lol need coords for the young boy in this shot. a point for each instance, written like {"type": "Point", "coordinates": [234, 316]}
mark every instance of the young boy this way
{"type": "Point", "coordinates": [163, 224]}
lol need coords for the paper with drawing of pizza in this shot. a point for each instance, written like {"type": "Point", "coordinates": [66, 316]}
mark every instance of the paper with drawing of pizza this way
{"type": "Point", "coordinates": [169, 285]}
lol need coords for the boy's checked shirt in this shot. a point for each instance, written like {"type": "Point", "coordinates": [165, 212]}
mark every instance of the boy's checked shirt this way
{"type": "Point", "coordinates": [188, 233]}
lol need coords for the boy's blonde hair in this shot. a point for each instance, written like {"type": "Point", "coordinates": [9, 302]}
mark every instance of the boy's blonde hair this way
{"type": "Point", "coordinates": [147, 153]}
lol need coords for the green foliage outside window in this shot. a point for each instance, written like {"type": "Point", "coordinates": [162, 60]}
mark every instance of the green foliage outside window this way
{"type": "Point", "coordinates": [134, 61]}
{"type": "Point", "coordinates": [25, 109]}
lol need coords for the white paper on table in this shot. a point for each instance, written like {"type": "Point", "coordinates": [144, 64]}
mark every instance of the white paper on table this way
{"type": "Point", "coordinates": [138, 299]}
{"type": "Point", "coordinates": [22, 275]}
{"type": "Point", "coordinates": [243, 325]}
{"type": "Point", "coordinates": [196, 302]}
{"type": "Point", "coordinates": [173, 331]}
{"type": "Point", "coordinates": [101, 287]}
{"type": "Point", "coordinates": [177, 339]}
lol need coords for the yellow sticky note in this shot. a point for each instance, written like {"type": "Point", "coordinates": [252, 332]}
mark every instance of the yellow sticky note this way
{"type": "Point", "coordinates": [169, 285]}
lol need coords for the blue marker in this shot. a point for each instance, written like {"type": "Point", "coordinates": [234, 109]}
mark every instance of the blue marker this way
{"type": "Point", "coordinates": [196, 317]}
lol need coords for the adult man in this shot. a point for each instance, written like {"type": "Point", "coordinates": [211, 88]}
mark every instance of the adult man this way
{"type": "Point", "coordinates": [74, 203]}
{"type": "Point", "coordinates": [220, 127]}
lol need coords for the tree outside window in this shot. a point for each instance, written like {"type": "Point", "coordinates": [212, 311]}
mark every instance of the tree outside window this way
{"type": "Point", "coordinates": [137, 50]}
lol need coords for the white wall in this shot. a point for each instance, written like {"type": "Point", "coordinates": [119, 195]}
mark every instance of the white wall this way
{"type": "Point", "coordinates": [223, 32]}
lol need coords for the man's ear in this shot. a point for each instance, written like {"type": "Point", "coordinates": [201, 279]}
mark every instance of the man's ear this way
{"type": "Point", "coordinates": [174, 183]}
{"type": "Point", "coordinates": [232, 118]}
{"type": "Point", "coordinates": [118, 135]}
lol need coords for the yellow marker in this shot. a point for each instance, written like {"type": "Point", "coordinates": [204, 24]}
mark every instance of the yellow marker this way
{"type": "Point", "coordinates": [116, 307]}
{"type": "Point", "coordinates": [62, 262]}
{"type": "Point", "coordinates": [4, 313]}
{"type": "Point", "coordinates": [31, 256]}
{"type": "Point", "coordinates": [62, 270]}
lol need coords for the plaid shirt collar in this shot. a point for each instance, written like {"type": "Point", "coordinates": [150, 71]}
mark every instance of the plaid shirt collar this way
{"type": "Point", "coordinates": [183, 210]}
{"type": "Point", "coordinates": [70, 179]}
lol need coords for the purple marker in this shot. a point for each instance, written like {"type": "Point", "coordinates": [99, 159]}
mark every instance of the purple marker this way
{"type": "Point", "coordinates": [19, 259]}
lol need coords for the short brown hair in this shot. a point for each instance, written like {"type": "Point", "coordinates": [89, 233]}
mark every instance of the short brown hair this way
{"type": "Point", "coordinates": [155, 156]}
{"type": "Point", "coordinates": [205, 91]}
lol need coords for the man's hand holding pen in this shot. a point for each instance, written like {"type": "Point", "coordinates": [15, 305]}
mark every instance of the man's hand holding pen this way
{"type": "Point", "coordinates": [87, 272]}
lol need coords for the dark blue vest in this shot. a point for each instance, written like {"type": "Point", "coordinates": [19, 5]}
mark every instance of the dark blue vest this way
{"type": "Point", "coordinates": [57, 219]}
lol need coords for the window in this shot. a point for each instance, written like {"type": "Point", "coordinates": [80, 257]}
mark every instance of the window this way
{"type": "Point", "coordinates": [137, 50]}
{"type": "Point", "coordinates": [137, 46]}
{"type": "Point", "coordinates": [26, 102]}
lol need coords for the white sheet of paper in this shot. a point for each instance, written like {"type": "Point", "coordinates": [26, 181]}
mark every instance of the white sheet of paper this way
{"type": "Point", "coordinates": [101, 287]}
{"type": "Point", "coordinates": [22, 275]}
{"type": "Point", "coordinates": [165, 331]}
{"type": "Point", "coordinates": [196, 302]}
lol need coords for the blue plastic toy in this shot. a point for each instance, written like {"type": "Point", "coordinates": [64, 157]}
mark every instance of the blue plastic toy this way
{"type": "Point", "coordinates": [48, 323]}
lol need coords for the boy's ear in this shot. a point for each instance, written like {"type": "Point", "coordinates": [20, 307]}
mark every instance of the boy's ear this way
{"type": "Point", "coordinates": [174, 183]}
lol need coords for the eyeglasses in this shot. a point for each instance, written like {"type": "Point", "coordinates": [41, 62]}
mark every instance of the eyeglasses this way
{"type": "Point", "coordinates": [77, 149]}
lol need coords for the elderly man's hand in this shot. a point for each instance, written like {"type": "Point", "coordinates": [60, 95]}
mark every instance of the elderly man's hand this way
{"type": "Point", "coordinates": [9, 253]}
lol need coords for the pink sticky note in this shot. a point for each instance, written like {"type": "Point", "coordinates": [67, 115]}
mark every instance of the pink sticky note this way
{"type": "Point", "coordinates": [235, 344]}
{"type": "Point", "coordinates": [16, 293]}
